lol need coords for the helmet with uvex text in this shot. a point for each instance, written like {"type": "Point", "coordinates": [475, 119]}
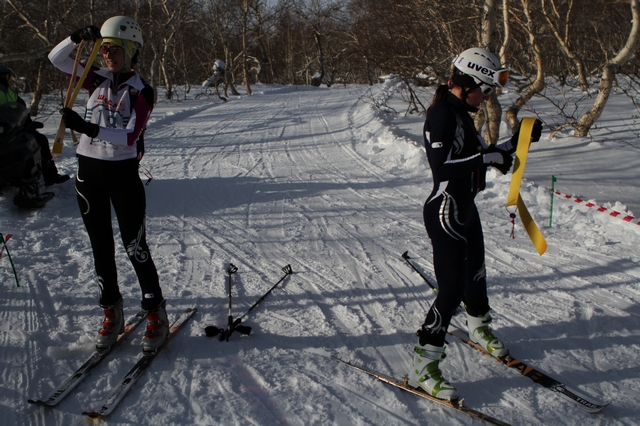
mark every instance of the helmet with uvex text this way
{"type": "Point", "coordinates": [482, 66]}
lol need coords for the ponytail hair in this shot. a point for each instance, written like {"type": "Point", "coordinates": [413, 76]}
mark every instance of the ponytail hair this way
{"type": "Point", "coordinates": [441, 94]}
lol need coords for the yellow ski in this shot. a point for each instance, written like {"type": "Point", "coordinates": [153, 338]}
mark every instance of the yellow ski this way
{"type": "Point", "coordinates": [58, 142]}
{"type": "Point", "coordinates": [514, 198]}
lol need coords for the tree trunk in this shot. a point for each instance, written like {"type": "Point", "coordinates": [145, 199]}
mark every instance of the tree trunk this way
{"type": "Point", "coordinates": [563, 41]}
{"type": "Point", "coordinates": [38, 92]}
{"type": "Point", "coordinates": [538, 84]}
{"type": "Point", "coordinates": [506, 42]}
{"type": "Point", "coordinates": [245, 70]}
{"type": "Point", "coordinates": [318, 39]}
{"type": "Point", "coordinates": [608, 75]}
{"type": "Point", "coordinates": [492, 109]}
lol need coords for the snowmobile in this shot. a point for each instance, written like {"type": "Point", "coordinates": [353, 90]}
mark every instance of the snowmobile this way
{"type": "Point", "coordinates": [20, 158]}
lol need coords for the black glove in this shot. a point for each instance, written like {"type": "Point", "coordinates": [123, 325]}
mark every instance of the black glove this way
{"type": "Point", "coordinates": [90, 33]}
{"type": "Point", "coordinates": [73, 121]}
{"type": "Point", "coordinates": [536, 132]}
{"type": "Point", "coordinates": [34, 125]}
{"type": "Point", "coordinates": [501, 160]}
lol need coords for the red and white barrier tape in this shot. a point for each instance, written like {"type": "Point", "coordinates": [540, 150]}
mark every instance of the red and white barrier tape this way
{"type": "Point", "coordinates": [612, 213]}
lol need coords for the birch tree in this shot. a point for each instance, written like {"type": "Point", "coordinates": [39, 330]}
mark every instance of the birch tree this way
{"type": "Point", "coordinates": [609, 71]}
{"type": "Point", "coordinates": [491, 112]}
{"type": "Point", "coordinates": [528, 23]}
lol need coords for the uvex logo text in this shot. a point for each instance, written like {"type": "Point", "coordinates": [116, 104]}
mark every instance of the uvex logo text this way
{"type": "Point", "coordinates": [483, 70]}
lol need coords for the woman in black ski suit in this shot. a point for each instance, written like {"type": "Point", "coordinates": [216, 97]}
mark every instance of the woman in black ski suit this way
{"type": "Point", "coordinates": [458, 157]}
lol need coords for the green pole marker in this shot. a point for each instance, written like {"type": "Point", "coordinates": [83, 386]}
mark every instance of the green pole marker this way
{"type": "Point", "coordinates": [553, 187]}
{"type": "Point", "coordinates": [4, 245]}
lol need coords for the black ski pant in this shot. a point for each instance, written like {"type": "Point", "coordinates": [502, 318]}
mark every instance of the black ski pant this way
{"type": "Point", "coordinates": [99, 185]}
{"type": "Point", "coordinates": [459, 265]}
{"type": "Point", "coordinates": [49, 169]}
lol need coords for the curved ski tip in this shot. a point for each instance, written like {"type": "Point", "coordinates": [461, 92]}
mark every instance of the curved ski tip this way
{"type": "Point", "coordinates": [405, 255]}
{"type": "Point", "coordinates": [601, 406]}
{"type": "Point", "coordinates": [92, 414]}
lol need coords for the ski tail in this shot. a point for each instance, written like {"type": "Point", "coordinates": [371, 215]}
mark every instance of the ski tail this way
{"type": "Point", "coordinates": [81, 373]}
{"type": "Point", "coordinates": [402, 384]}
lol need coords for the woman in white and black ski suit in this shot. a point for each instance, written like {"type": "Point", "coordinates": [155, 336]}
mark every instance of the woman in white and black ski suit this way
{"type": "Point", "coordinates": [108, 154]}
{"type": "Point", "coordinates": [458, 158]}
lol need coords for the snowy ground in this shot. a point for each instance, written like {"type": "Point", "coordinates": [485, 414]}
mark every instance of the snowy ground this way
{"type": "Point", "coordinates": [320, 180]}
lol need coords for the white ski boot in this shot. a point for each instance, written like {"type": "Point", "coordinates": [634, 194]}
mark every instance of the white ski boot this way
{"type": "Point", "coordinates": [480, 333]}
{"type": "Point", "coordinates": [425, 372]}
{"type": "Point", "coordinates": [112, 325]}
{"type": "Point", "coordinates": [157, 329]}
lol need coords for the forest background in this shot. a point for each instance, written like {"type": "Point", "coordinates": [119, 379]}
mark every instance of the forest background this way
{"type": "Point", "coordinates": [575, 45]}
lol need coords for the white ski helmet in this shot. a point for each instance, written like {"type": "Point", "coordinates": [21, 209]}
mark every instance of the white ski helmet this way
{"type": "Point", "coordinates": [483, 66]}
{"type": "Point", "coordinates": [124, 28]}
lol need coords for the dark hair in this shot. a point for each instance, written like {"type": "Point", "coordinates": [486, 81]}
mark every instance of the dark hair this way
{"type": "Point", "coordinates": [441, 94]}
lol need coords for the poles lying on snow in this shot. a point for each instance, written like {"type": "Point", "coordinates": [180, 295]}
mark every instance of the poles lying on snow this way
{"type": "Point", "coordinates": [241, 329]}
{"type": "Point", "coordinates": [232, 325]}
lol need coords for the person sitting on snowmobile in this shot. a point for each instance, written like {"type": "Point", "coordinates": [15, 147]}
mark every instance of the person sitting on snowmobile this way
{"type": "Point", "coordinates": [9, 98]}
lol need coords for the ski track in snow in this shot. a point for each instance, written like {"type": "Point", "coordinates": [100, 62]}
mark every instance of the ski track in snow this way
{"type": "Point", "coordinates": [317, 179]}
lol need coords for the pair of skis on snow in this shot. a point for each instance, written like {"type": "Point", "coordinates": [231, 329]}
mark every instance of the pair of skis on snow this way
{"type": "Point", "coordinates": [582, 400]}
{"type": "Point", "coordinates": [127, 382]}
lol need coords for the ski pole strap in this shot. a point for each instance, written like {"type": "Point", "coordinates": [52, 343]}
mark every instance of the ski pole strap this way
{"type": "Point", "coordinates": [514, 198]}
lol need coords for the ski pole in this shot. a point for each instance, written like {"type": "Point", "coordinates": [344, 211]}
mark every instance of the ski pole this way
{"type": "Point", "coordinates": [225, 336]}
{"type": "Point", "coordinates": [287, 271]}
{"type": "Point", "coordinates": [3, 244]}
{"type": "Point", "coordinates": [236, 326]}
{"type": "Point", "coordinates": [406, 257]}
{"type": "Point", "coordinates": [553, 190]}
{"type": "Point", "coordinates": [4, 247]}
{"type": "Point", "coordinates": [242, 329]}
